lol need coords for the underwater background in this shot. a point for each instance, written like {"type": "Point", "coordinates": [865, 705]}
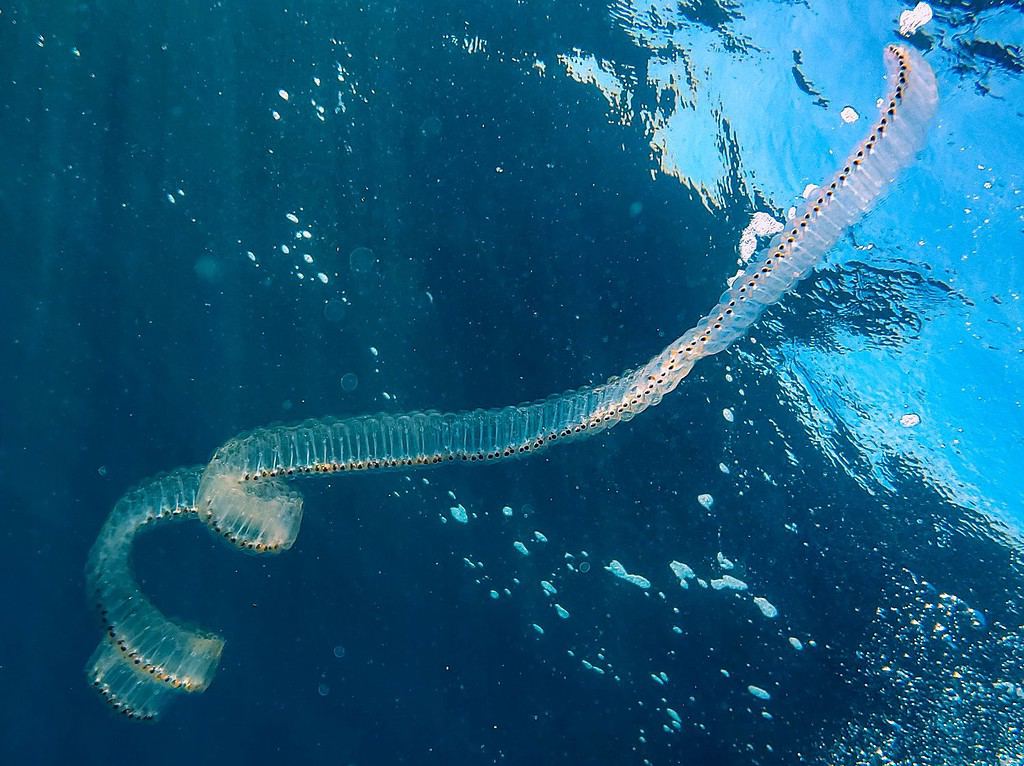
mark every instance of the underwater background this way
{"type": "Point", "coordinates": [220, 215]}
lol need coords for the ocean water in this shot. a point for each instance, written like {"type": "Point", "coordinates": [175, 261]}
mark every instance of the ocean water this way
{"type": "Point", "coordinates": [221, 216]}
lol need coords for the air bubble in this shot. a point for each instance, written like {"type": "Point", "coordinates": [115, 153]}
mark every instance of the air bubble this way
{"type": "Point", "coordinates": [362, 260]}
{"type": "Point", "coordinates": [910, 420]}
{"type": "Point", "coordinates": [334, 311]}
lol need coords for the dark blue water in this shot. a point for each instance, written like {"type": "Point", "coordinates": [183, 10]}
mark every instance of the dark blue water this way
{"type": "Point", "coordinates": [526, 239]}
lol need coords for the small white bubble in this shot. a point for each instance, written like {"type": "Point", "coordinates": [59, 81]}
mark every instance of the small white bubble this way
{"type": "Point", "coordinates": [914, 19]}
{"type": "Point", "coordinates": [767, 607]}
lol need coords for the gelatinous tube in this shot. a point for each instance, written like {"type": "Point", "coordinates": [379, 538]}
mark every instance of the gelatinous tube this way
{"type": "Point", "coordinates": [144, 658]}
{"type": "Point", "coordinates": [242, 496]}
{"type": "Point", "coordinates": [243, 493]}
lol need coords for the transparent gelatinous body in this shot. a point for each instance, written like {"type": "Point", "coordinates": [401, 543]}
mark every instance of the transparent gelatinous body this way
{"type": "Point", "coordinates": [244, 495]}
